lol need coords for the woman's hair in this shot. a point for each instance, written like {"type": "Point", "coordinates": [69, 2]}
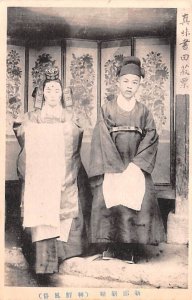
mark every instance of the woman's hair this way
{"type": "Point", "coordinates": [54, 80]}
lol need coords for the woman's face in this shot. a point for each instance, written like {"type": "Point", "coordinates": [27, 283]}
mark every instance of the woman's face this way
{"type": "Point", "coordinates": [52, 93]}
{"type": "Point", "coordinates": [128, 85]}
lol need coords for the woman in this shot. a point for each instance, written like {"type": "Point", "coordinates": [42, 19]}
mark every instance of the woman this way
{"type": "Point", "coordinates": [125, 211]}
{"type": "Point", "coordinates": [56, 196]}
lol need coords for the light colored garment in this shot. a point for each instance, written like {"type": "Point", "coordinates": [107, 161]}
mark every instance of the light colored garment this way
{"type": "Point", "coordinates": [75, 193]}
{"type": "Point", "coordinates": [45, 169]}
{"type": "Point", "coordinates": [65, 226]}
{"type": "Point", "coordinates": [126, 188]}
{"type": "Point", "coordinates": [44, 232]}
{"type": "Point", "coordinates": [48, 112]}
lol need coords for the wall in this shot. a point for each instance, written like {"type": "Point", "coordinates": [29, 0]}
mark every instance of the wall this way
{"type": "Point", "coordinates": [179, 221]}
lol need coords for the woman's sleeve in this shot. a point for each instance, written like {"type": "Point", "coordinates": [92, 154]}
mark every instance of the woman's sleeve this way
{"type": "Point", "coordinates": [18, 128]}
{"type": "Point", "coordinates": [146, 153]}
{"type": "Point", "coordinates": [19, 133]}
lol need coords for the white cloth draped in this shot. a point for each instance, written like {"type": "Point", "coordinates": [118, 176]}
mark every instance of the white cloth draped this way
{"type": "Point", "coordinates": [43, 232]}
{"type": "Point", "coordinates": [45, 170]}
{"type": "Point", "coordinates": [126, 188]}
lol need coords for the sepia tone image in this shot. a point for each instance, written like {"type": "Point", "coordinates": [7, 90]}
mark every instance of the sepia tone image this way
{"type": "Point", "coordinates": [97, 149]}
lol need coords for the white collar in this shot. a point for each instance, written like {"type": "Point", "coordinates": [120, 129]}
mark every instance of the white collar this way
{"type": "Point", "coordinates": [48, 111]}
{"type": "Point", "coordinates": [125, 104]}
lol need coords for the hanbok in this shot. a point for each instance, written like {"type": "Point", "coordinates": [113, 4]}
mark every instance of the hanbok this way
{"type": "Point", "coordinates": [122, 137]}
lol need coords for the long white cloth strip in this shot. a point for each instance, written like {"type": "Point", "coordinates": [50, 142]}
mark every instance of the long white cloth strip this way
{"type": "Point", "coordinates": [43, 232]}
{"type": "Point", "coordinates": [126, 188]}
{"type": "Point", "coordinates": [65, 227]}
{"type": "Point", "coordinates": [45, 168]}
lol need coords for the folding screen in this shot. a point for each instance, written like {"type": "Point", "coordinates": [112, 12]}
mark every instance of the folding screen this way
{"type": "Point", "coordinates": [89, 68]}
{"type": "Point", "coordinates": [155, 92]}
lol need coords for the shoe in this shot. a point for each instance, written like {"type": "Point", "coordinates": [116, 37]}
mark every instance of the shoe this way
{"type": "Point", "coordinates": [130, 260]}
{"type": "Point", "coordinates": [108, 254]}
{"type": "Point", "coordinates": [128, 257]}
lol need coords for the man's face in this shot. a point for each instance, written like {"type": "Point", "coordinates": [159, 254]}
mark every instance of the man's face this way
{"type": "Point", "coordinates": [128, 85]}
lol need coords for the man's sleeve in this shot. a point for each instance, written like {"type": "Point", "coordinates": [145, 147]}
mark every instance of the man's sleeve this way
{"type": "Point", "coordinates": [147, 150]}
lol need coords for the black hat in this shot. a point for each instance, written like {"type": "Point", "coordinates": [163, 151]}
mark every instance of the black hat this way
{"type": "Point", "coordinates": [131, 65]}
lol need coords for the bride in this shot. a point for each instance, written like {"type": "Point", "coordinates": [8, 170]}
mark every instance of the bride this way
{"type": "Point", "coordinates": [56, 199]}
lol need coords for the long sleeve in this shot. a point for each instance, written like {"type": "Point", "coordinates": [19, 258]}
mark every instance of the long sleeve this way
{"type": "Point", "coordinates": [18, 128]}
{"type": "Point", "coordinates": [19, 125]}
{"type": "Point", "coordinates": [19, 133]}
{"type": "Point", "coordinates": [146, 153]}
{"type": "Point", "coordinates": [104, 157]}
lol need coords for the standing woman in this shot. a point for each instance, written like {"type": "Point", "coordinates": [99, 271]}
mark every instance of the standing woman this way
{"type": "Point", "coordinates": [125, 210]}
{"type": "Point", "coordinates": [55, 193]}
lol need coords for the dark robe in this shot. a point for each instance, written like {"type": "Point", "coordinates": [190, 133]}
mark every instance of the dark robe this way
{"type": "Point", "coordinates": [113, 148]}
{"type": "Point", "coordinates": [44, 255]}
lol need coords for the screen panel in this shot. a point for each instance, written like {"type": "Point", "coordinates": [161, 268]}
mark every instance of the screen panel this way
{"type": "Point", "coordinates": [154, 92]}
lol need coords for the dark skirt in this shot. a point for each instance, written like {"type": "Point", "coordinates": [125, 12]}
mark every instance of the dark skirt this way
{"type": "Point", "coordinates": [120, 224]}
{"type": "Point", "coordinates": [44, 256]}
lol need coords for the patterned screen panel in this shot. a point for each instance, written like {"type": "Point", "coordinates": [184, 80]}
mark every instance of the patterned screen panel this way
{"type": "Point", "coordinates": [81, 77]}
{"type": "Point", "coordinates": [154, 92]}
{"type": "Point", "coordinates": [15, 85]}
{"type": "Point", "coordinates": [112, 54]}
{"type": "Point", "coordinates": [39, 59]}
